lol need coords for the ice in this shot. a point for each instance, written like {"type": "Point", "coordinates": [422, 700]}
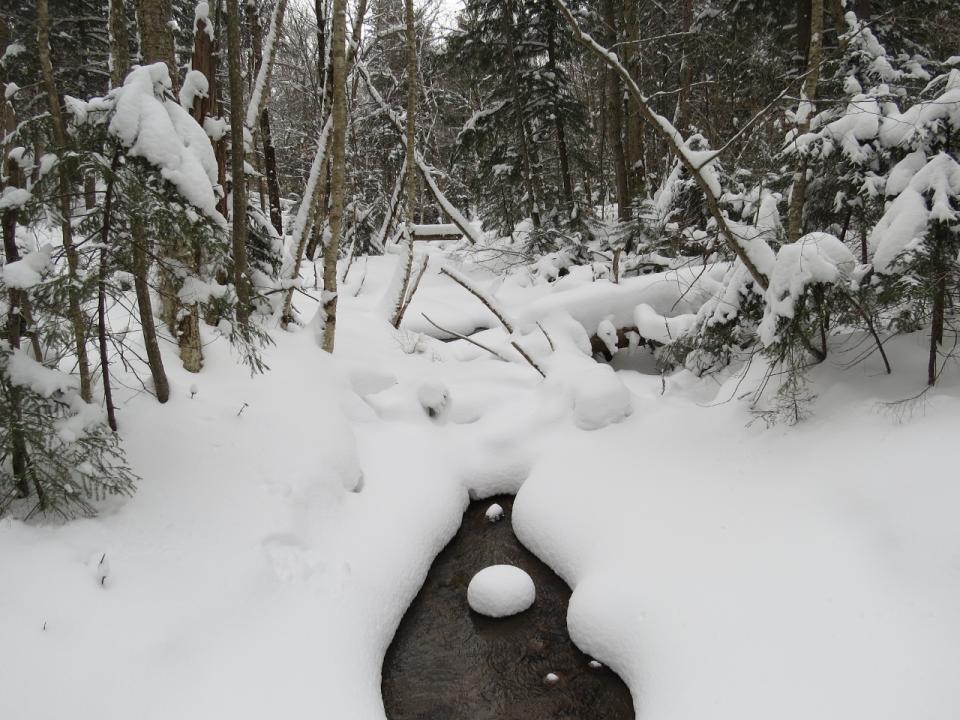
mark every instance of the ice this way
{"type": "Point", "coordinates": [501, 590]}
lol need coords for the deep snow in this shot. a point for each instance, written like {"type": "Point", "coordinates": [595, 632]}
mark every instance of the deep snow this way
{"type": "Point", "coordinates": [284, 523]}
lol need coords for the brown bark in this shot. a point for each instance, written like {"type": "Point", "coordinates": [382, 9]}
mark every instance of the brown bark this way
{"type": "Point", "coordinates": [102, 298]}
{"type": "Point", "coordinates": [75, 312]}
{"type": "Point", "coordinates": [156, 37]}
{"type": "Point", "coordinates": [238, 177]}
{"type": "Point", "coordinates": [119, 43]}
{"type": "Point", "coordinates": [140, 251]}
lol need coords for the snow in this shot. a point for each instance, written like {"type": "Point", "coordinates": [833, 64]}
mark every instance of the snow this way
{"type": "Point", "coordinates": [28, 271]}
{"type": "Point", "coordinates": [500, 591]}
{"type": "Point", "coordinates": [494, 513]}
{"type": "Point", "coordinates": [816, 258]}
{"type": "Point", "coordinates": [434, 398]}
{"type": "Point", "coordinates": [906, 220]}
{"type": "Point", "coordinates": [14, 198]}
{"type": "Point", "coordinates": [724, 570]}
{"type": "Point", "coordinates": [164, 133]}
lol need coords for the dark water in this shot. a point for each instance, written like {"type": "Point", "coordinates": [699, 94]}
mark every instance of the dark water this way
{"type": "Point", "coordinates": [449, 663]}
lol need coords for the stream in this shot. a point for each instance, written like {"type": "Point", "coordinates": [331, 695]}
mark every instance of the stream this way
{"type": "Point", "coordinates": [446, 662]}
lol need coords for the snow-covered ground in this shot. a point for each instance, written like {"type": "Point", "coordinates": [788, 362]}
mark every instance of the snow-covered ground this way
{"type": "Point", "coordinates": [283, 524]}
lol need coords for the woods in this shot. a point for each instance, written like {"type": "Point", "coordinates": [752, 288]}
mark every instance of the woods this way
{"type": "Point", "coordinates": [190, 169]}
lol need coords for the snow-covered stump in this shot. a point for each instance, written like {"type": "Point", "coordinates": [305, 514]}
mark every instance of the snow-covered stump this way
{"type": "Point", "coordinates": [450, 661]}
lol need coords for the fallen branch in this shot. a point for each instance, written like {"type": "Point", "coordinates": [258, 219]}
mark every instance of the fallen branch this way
{"type": "Point", "coordinates": [460, 336]}
{"type": "Point", "coordinates": [481, 296]}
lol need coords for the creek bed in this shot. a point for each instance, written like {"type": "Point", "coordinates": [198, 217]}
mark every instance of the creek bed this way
{"type": "Point", "coordinates": [446, 662]}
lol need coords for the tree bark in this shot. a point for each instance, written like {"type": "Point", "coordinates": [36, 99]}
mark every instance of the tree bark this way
{"type": "Point", "coordinates": [140, 251]}
{"type": "Point", "coordinates": [119, 43]}
{"type": "Point", "coordinates": [682, 119]}
{"type": "Point", "coordinates": [156, 36]}
{"type": "Point", "coordinates": [238, 177]}
{"type": "Point", "coordinates": [338, 171]}
{"type": "Point", "coordinates": [75, 312]}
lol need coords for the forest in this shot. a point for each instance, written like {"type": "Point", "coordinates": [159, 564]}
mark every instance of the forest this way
{"type": "Point", "coordinates": [289, 286]}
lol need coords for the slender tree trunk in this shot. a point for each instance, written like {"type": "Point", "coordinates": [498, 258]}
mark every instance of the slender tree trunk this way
{"type": "Point", "coordinates": [73, 260]}
{"type": "Point", "coordinates": [632, 125]}
{"type": "Point", "coordinates": [939, 300]}
{"type": "Point", "coordinates": [338, 179]}
{"type": "Point", "coordinates": [266, 136]}
{"type": "Point", "coordinates": [563, 153]}
{"type": "Point", "coordinates": [682, 119]}
{"type": "Point", "coordinates": [15, 320]}
{"type": "Point", "coordinates": [615, 124]}
{"type": "Point", "coordinates": [410, 185]}
{"type": "Point", "coordinates": [102, 297]}
{"type": "Point", "coordinates": [239, 216]}
{"type": "Point", "coordinates": [140, 251]}
{"type": "Point", "coordinates": [805, 111]}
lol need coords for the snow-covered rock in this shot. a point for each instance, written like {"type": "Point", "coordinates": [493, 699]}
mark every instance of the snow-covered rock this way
{"type": "Point", "coordinates": [501, 590]}
{"type": "Point", "coordinates": [599, 398]}
{"type": "Point", "coordinates": [434, 397]}
{"type": "Point", "coordinates": [494, 512]}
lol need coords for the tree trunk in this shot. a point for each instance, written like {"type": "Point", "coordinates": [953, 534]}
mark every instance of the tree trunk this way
{"type": "Point", "coordinates": [238, 177]}
{"type": "Point", "coordinates": [15, 321]}
{"type": "Point", "coordinates": [266, 136]}
{"type": "Point", "coordinates": [410, 185]}
{"type": "Point", "coordinates": [75, 312]}
{"type": "Point", "coordinates": [682, 119]}
{"type": "Point", "coordinates": [156, 36]}
{"type": "Point", "coordinates": [939, 300]}
{"type": "Point", "coordinates": [338, 179]}
{"type": "Point", "coordinates": [805, 115]}
{"type": "Point", "coordinates": [140, 251]}
{"type": "Point", "coordinates": [102, 297]}
{"type": "Point", "coordinates": [119, 43]}
{"type": "Point", "coordinates": [563, 153]}
{"type": "Point", "coordinates": [614, 109]}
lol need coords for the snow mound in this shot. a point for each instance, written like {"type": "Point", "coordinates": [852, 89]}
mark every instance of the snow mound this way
{"type": "Point", "coordinates": [501, 590]}
{"type": "Point", "coordinates": [599, 398]}
{"type": "Point", "coordinates": [434, 397]}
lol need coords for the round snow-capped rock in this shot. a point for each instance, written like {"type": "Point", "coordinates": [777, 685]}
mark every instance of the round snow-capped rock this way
{"type": "Point", "coordinates": [494, 512]}
{"type": "Point", "coordinates": [434, 397]}
{"type": "Point", "coordinates": [501, 590]}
